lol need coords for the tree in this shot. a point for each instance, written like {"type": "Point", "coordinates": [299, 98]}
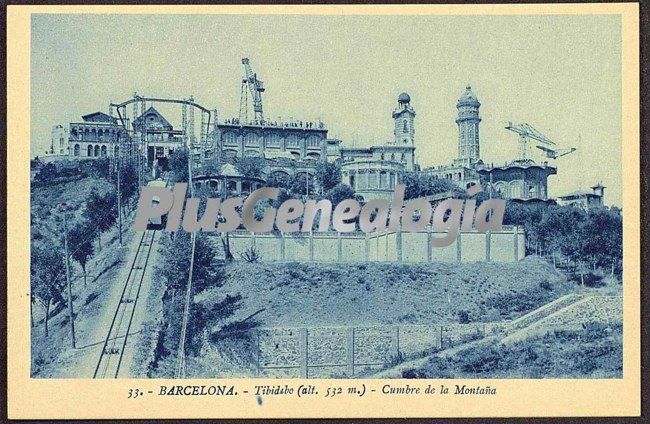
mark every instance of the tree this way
{"type": "Point", "coordinates": [302, 184]}
{"type": "Point", "coordinates": [178, 165]}
{"type": "Point", "coordinates": [129, 182]}
{"type": "Point", "coordinates": [250, 167]}
{"type": "Point", "coordinates": [339, 193]}
{"type": "Point", "coordinates": [603, 238]}
{"type": "Point", "coordinates": [47, 275]}
{"type": "Point", "coordinates": [47, 173]}
{"type": "Point", "coordinates": [81, 244]}
{"type": "Point", "coordinates": [328, 175]}
{"type": "Point", "coordinates": [528, 215]}
{"type": "Point", "coordinates": [421, 185]}
{"type": "Point", "coordinates": [101, 211]}
{"type": "Point", "coordinates": [177, 263]}
{"type": "Point", "coordinates": [278, 179]}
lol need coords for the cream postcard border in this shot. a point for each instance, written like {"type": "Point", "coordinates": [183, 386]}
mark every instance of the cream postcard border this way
{"type": "Point", "coordinates": [87, 398]}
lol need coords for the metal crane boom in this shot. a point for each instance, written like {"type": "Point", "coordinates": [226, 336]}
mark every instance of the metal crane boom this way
{"type": "Point", "coordinates": [256, 88]}
{"type": "Point", "coordinates": [527, 132]}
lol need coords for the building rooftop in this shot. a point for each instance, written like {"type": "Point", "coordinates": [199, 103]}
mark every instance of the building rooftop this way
{"type": "Point", "coordinates": [292, 125]}
{"type": "Point", "coordinates": [579, 193]}
{"type": "Point", "coordinates": [468, 98]}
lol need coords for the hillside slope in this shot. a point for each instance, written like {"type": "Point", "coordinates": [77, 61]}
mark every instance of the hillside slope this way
{"type": "Point", "coordinates": [306, 294]}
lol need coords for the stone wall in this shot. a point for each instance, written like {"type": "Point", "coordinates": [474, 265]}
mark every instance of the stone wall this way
{"type": "Point", "coordinates": [344, 352]}
{"type": "Point", "coordinates": [331, 247]}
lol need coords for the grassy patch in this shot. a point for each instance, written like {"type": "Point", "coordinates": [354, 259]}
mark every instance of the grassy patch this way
{"type": "Point", "coordinates": [308, 294]}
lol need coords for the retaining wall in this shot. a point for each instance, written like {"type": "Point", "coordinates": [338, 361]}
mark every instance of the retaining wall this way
{"type": "Point", "coordinates": [507, 245]}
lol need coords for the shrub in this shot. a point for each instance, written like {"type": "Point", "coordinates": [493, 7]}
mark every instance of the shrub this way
{"type": "Point", "coordinates": [546, 285]}
{"type": "Point", "coordinates": [463, 317]}
{"type": "Point", "coordinates": [250, 255]}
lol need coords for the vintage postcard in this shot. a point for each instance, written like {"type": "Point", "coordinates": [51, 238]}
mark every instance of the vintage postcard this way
{"type": "Point", "coordinates": [315, 211]}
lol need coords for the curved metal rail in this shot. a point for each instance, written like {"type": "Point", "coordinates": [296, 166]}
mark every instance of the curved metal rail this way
{"type": "Point", "coordinates": [110, 358]}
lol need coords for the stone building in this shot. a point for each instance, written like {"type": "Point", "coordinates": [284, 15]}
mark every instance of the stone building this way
{"type": "Point", "coordinates": [302, 140]}
{"type": "Point", "coordinates": [463, 170]}
{"type": "Point", "coordinates": [522, 180]}
{"type": "Point", "coordinates": [228, 181]}
{"type": "Point", "coordinates": [519, 180]}
{"type": "Point", "coordinates": [373, 172]}
{"type": "Point", "coordinates": [59, 140]}
{"type": "Point", "coordinates": [161, 139]}
{"type": "Point", "coordinates": [93, 138]}
{"type": "Point", "coordinates": [584, 199]}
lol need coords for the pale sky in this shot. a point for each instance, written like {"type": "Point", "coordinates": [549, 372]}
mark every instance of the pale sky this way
{"type": "Point", "coordinates": [561, 74]}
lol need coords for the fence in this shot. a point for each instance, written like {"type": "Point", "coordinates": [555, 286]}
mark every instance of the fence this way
{"type": "Point", "coordinates": [344, 352]}
{"type": "Point", "coordinates": [507, 245]}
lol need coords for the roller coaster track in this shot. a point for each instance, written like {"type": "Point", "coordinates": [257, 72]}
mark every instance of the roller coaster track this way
{"type": "Point", "coordinates": [112, 352]}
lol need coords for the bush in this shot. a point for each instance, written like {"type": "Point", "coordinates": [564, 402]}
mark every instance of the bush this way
{"type": "Point", "coordinates": [546, 285]}
{"type": "Point", "coordinates": [463, 317]}
{"type": "Point", "coordinates": [250, 255]}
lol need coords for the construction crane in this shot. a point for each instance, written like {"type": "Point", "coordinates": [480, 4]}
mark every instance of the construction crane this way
{"type": "Point", "coordinates": [526, 133]}
{"type": "Point", "coordinates": [256, 88]}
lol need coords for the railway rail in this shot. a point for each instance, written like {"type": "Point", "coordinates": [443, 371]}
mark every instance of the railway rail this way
{"type": "Point", "coordinates": [110, 358]}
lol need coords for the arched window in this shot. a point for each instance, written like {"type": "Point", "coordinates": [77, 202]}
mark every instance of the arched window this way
{"type": "Point", "coordinates": [103, 151]}
{"type": "Point", "coordinates": [251, 139]}
{"type": "Point", "coordinates": [229, 138]}
{"type": "Point", "coordinates": [516, 190]}
{"type": "Point", "coordinates": [403, 157]}
{"type": "Point", "coordinates": [76, 150]}
{"type": "Point", "coordinates": [90, 150]}
{"type": "Point", "coordinates": [406, 128]}
{"type": "Point", "coordinates": [382, 156]}
{"type": "Point", "coordinates": [392, 156]}
{"type": "Point", "coordinates": [97, 150]}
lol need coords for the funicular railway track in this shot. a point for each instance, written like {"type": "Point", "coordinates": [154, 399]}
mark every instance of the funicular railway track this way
{"type": "Point", "coordinates": [110, 358]}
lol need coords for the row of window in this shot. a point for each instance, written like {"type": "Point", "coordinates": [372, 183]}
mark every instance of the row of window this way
{"type": "Point", "coordinates": [516, 190]}
{"type": "Point", "coordinates": [256, 153]}
{"type": "Point", "coordinates": [229, 185]}
{"type": "Point", "coordinates": [92, 134]}
{"type": "Point", "coordinates": [252, 139]}
{"type": "Point", "coordinates": [392, 157]}
{"type": "Point", "coordinates": [373, 180]}
{"type": "Point", "coordinates": [92, 151]}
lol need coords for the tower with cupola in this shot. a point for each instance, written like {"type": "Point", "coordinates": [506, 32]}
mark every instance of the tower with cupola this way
{"type": "Point", "coordinates": [404, 116]}
{"type": "Point", "coordinates": [468, 121]}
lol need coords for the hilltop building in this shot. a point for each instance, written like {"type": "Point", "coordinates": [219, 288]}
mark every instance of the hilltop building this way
{"type": "Point", "coordinates": [296, 148]}
{"type": "Point", "coordinates": [519, 180]}
{"type": "Point", "coordinates": [301, 140]}
{"type": "Point", "coordinates": [161, 139]}
{"type": "Point", "coordinates": [373, 172]}
{"type": "Point", "coordinates": [584, 199]}
{"type": "Point", "coordinates": [94, 137]}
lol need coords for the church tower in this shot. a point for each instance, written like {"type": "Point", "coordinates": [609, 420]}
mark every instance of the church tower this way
{"type": "Point", "coordinates": [468, 127]}
{"type": "Point", "coordinates": [404, 116]}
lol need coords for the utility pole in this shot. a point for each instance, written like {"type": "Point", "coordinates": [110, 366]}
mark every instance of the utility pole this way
{"type": "Point", "coordinates": [180, 365]}
{"type": "Point", "coordinates": [67, 273]}
{"type": "Point", "coordinates": [119, 190]}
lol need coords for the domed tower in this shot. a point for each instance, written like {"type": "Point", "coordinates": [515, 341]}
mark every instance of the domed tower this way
{"type": "Point", "coordinates": [468, 127]}
{"type": "Point", "coordinates": [403, 116]}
